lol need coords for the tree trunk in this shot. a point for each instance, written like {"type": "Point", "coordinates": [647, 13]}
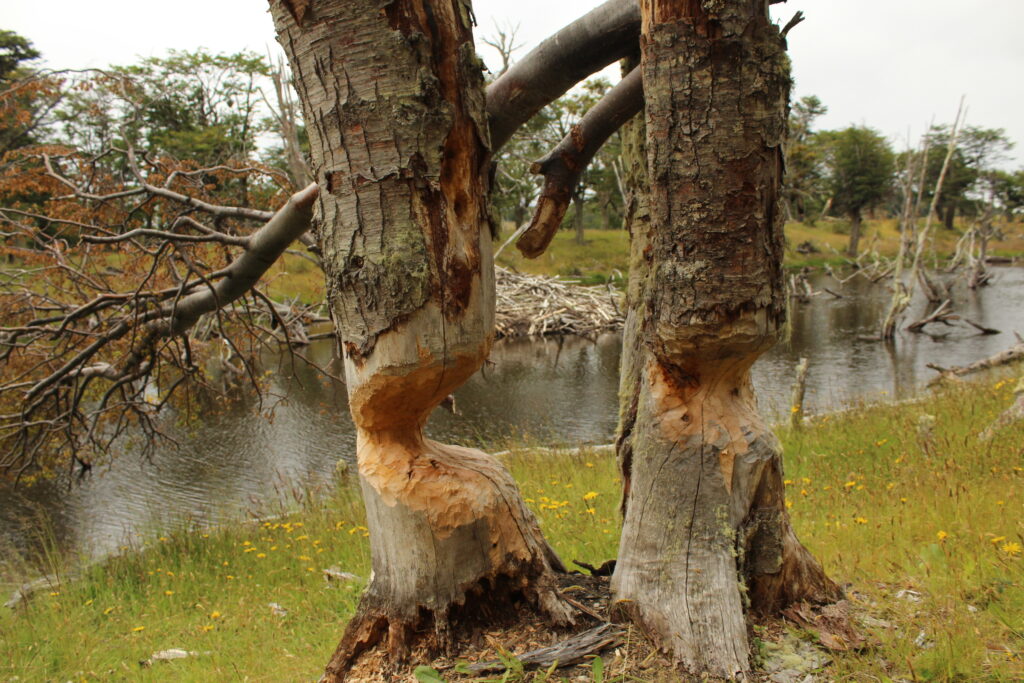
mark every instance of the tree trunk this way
{"type": "Point", "coordinates": [393, 98]}
{"type": "Point", "coordinates": [706, 529]}
{"type": "Point", "coordinates": [948, 215]}
{"type": "Point", "coordinates": [855, 223]}
{"type": "Point", "coordinates": [577, 200]}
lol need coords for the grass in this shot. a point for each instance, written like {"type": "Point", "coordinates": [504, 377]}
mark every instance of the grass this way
{"type": "Point", "coordinates": [890, 498]}
{"type": "Point", "coordinates": [603, 257]}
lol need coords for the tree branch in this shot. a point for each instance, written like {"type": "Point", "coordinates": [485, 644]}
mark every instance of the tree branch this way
{"type": "Point", "coordinates": [264, 247]}
{"type": "Point", "coordinates": [565, 164]}
{"type": "Point", "coordinates": [592, 42]}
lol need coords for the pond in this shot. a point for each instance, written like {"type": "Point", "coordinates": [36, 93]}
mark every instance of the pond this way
{"type": "Point", "coordinates": [257, 460]}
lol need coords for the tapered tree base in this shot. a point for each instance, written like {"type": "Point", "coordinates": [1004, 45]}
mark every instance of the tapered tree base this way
{"type": "Point", "coordinates": [455, 549]}
{"type": "Point", "coordinates": [688, 573]}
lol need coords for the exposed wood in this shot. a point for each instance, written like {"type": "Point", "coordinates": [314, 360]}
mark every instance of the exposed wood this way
{"type": "Point", "coordinates": [563, 167]}
{"type": "Point", "coordinates": [707, 297]}
{"type": "Point", "coordinates": [394, 103]}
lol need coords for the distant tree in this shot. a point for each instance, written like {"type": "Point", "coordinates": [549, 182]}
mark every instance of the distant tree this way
{"type": "Point", "coordinates": [803, 187]}
{"type": "Point", "coordinates": [188, 105]}
{"type": "Point", "coordinates": [970, 168]}
{"type": "Point", "coordinates": [1008, 191]}
{"type": "Point", "coordinates": [14, 50]}
{"type": "Point", "coordinates": [860, 170]}
{"type": "Point", "coordinates": [25, 101]}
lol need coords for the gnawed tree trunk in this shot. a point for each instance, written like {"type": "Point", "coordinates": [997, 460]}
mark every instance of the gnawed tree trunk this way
{"type": "Point", "coordinates": [706, 532]}
{"type": "Point", "coordinates": [393, 99]}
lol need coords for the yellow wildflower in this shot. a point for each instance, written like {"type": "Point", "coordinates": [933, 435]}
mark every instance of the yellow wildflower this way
{"type": "Point", "coordinates": [590, 495]}
{"type": "Point", "coordinates": [215, 615]}
{"type": "Point", "coordinates": [1011, 548]}
{"type": "Point", "coordinates": [941, 535]}
{"type": "Point", "coordinates": [849, 484]}
{"type": "Point", "coordinates": [861, 520]}
{"type": "Point", "coordinates": [138, 628]}
{"type": "Point", "coordinates": [168, 592]}
{"type": "Point", "coordinates": [261, 555]}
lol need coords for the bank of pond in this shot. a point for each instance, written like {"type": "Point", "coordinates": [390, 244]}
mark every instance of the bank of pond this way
{"type": "Point", "coordinates": [905, 506]}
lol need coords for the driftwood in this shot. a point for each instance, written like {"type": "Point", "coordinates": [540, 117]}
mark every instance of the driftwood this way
{"type": "Point", "coordinates": [566, 653]}
{"type": "Point", "coordinates": [796, 413]}
{"type": "Point", "coordinates": [1010, 355]}
{"type": "Point", "coordinates": [981, 328]}
{"type": "Point", "coordinates": [537, 305]}
{"type": "Point", "coordinates": [943, 314]}
{"type": "Point", "coordinates": [1012, 414]}
{"type": "Point", "coordinates": [25, 591]}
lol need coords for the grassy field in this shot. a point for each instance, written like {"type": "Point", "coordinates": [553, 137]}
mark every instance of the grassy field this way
{"type": "Point", "coordinates": [891, 499]}
{"type": "Point", "coordinates": [604, 255]}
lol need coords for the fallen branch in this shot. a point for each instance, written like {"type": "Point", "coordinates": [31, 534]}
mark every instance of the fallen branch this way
{"type": "Point", "coordinates": [943, 314]}
{"type": "Point", "coordinates": [1010, 355]}
{"type": "Point", "coordinates": [1012, 414]}
{"type": "Point", "coordinates": [566, 653]}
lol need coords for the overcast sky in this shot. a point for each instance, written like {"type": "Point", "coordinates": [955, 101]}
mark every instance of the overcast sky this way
{"type": "Point", "coordinates": [894, 65]}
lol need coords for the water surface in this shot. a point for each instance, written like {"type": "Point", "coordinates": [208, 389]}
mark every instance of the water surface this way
{"type": "Point", "coordinates": [254, 459]}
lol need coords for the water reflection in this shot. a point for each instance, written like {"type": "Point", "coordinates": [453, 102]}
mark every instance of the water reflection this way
{"type": "Point", "coordinates": [253, 457]}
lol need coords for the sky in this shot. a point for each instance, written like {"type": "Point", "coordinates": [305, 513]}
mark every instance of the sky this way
{"type": "Point", "coordinates": [894, 65]}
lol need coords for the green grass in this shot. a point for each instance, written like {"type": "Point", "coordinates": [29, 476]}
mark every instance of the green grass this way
{"type": "Point", "coordinates": [883, 503]}
{"type": "Point", "coordinates": [603, 256]}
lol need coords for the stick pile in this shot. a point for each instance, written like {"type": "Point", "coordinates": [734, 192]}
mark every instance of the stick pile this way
{"type": "Point", "coordinates": [538, 305]}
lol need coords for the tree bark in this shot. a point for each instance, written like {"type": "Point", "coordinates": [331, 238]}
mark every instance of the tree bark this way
{"type": "Point", "coordinates": [706, 531]}
{"type": "Point", "coordinates": [393, 97]}
{"type": "Point", "coordinates": [577, 219]}
{"type": "Point", "coordinates": [855, 223]}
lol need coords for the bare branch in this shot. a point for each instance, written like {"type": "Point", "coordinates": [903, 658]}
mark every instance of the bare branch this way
{"type": "Point", "coordinates": [592, 42]}
{"type": "Point", "coordinates": [565, 164]}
